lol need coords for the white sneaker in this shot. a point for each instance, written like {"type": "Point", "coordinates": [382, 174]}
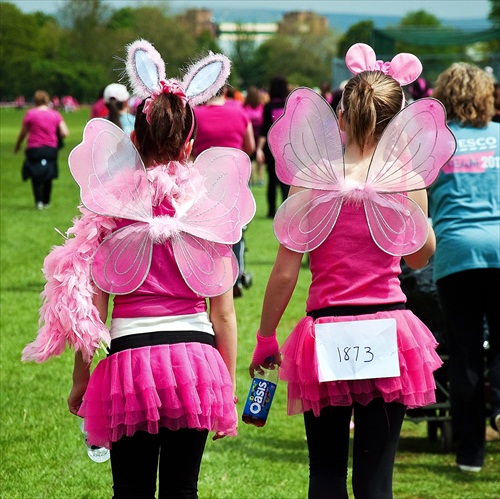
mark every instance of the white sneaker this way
{"type": "Point", "coordinates": [39, 205]}
{"type": "Point", "coordinates": [466, 467]}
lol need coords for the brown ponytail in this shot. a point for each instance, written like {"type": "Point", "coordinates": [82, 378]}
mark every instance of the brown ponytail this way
{"type": "Point", "coordinates": [370, 100]}
{"type": "Point", "coordinates": [164, 138]}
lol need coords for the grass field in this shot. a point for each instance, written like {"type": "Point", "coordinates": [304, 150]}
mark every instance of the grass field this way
{"type": "Point", "coordinates": [42, 453]}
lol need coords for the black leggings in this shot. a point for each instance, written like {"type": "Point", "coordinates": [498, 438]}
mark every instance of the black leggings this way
{"type": "Point", "coordinates": [134, 464]}
{"type": "Point", "coordinates": [42, 191]}
{"type": "Point", "coordinates": [468, 298]}
{"type": "Point", "coordinates": [376, 436]}
{"type": "Point", "coordinates": [272, 185]}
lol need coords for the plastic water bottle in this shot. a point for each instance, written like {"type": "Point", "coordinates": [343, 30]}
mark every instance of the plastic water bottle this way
{"type": "Point", "coordinates": [260, 396]}
{"type": "Point", "coordinates": [97, 454]}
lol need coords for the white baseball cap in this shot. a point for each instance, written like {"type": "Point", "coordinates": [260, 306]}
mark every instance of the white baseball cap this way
{"type": "Point", "coordinates": [116, 91]}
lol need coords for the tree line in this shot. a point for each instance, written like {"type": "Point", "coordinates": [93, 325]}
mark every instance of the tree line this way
{"type": "Point", "coordinates": [77, 52]}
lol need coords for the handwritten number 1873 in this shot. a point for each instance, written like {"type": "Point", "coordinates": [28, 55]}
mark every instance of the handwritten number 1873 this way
{"type": "Point", "coordinates": [352, 354]}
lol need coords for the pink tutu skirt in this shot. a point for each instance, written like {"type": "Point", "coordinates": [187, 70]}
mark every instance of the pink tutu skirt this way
{"type": "Point", "coordinates": [182, 385]}
{"type": "Point", "coordinates": [414, 387]}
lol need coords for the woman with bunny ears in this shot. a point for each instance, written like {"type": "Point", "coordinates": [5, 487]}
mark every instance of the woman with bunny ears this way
{"type": "Point", "coordinates": [156, 232]}
{"type": "Point", "coordinates": [358, 351]}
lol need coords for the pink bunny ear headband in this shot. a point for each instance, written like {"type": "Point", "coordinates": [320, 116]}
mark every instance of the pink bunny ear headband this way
{"type": "Point", "coordinates": [404, 67]}
{"type": "Point", "coordinates": [146, 71]}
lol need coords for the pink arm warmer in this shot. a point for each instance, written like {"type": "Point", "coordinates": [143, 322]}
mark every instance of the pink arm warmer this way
{"type": "Point", "coordinates": [265, 347]}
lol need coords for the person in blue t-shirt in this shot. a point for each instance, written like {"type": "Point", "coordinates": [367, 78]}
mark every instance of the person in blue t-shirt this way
{"type": "Point", "coordinates": [464, 204]}
{"type": "Point", "coordinates": [116, 98]}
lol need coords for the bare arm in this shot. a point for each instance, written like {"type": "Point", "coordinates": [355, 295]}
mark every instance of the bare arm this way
{"type": "Point", "coordinates": [421, 258]}
{"type": "Point", "coordinates": [279, 290]}
{"type": "Point", "coordinates": [223, 318]}
{"type": "Point", "coordinates": [249, 140]}
{"type": "Point", "coordinates": [81, 369]}
{"type": "Point", "coordinates": [22, 134]}
{"type": "Point", "coordinates": [259, 152]}
{"type": "Point", "coordinates": [63, 129]}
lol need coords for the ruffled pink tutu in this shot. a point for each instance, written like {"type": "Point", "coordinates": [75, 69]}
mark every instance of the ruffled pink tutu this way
{"type": "Point", "coordinates": [415, 387]}
{"type": "Point", "coordinates": [182, 385]}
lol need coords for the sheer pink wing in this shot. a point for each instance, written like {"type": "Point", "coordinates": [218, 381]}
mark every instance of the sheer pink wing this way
{"type": "Point", "coordinates": [306, 219]}
{"type": "Point", "coordinates": [397, 223]}
{"type": "Point", "coordinates": [110, 173]}
{"type": "Point", "coordinates": [208, 268]}
{"type": "Point", "coordinates": [122, 261]}
{"type": "Point", "coordinates": [413, 148]}
{"type": "Point", "coordinates": [306, 143]}
{"type": "Point", "coordinates": [224, 202]}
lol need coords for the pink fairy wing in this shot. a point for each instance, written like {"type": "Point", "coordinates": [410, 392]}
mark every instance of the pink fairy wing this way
{"type": "Point", "coordinates": [413, 148]}
{"type": "Point", "coordinates": [224, 202]}
{"type": "Point", "coordinates": [397, 223]}
{"type": "Point", "coordinates": [306, 143]}
{"type": "Point", "coordinates": [110, 173]}
{"type": "Point", "coordinates": [122, 261]}
{"type": "Point", "coordinates": [208, 268]}
{"type": "Point", "coordinates": [306, 219]}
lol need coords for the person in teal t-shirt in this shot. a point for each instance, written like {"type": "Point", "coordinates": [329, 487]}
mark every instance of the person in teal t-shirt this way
{"type": "Point", "coordinates": [464, 204]}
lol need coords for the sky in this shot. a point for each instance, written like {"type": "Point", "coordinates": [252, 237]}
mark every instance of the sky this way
{"type": "Point", "coordinates": [442, 9]}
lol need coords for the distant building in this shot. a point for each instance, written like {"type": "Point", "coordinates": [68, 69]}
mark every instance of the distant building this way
{"type": "Point", "coordinates": [257, 32]}
{"type": "Point", "coordinates": [300, 23]}
{"type": "Point", "coordinates": [199, 21]}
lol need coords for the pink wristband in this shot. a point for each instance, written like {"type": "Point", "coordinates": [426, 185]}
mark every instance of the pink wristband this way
{"type": "Point", "coordinates": [265, 347]}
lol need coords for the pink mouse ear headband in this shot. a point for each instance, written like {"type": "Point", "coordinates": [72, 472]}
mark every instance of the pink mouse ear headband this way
{"type": "Point", "coordinates": [404, 67]}
{"type": "Point", "coordinates": [146, 71]}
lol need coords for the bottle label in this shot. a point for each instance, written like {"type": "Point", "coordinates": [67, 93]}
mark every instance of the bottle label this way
{"type": "Point", "coordinates": [259, 399]}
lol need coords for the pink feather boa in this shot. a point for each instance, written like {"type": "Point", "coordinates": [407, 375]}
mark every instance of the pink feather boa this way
{"type": "Point", "coordinates": [68, 315]}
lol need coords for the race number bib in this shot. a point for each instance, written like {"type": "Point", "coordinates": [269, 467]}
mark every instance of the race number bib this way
{"type": "Point", "coordinates": [357, 350]}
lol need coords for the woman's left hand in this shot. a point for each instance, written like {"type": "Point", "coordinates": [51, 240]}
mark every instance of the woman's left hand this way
{"type": "Point", "coordinates": [220, 434]}
{"type": "Point", "coordinates": [75, 397]}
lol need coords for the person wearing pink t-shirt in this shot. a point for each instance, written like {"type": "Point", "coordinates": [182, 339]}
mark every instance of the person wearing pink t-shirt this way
{"type": "Point", "coordinates": [44, 128]}
{"type": "Point", "coordinates": [224, 123]}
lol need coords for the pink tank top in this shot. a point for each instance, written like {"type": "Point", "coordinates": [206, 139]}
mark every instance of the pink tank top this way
{"type": "Point", "coordinates": [350, 269]}
{"type": "Point", "coordinates": [164, 292]}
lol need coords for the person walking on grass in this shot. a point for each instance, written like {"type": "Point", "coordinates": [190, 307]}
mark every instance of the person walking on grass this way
{"type": "Point", "coordinates": [156, 232]}
{"type": "Point", "coordinates": [45, 129]}
{"type": "Point", "coordinates": [358, 351]}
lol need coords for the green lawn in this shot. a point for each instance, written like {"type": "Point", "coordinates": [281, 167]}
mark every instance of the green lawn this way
{"type": "Point", "coordinates": [42, 453]}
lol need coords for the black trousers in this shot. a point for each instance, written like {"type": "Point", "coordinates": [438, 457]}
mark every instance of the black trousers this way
{"type": "Point", "coordinates": [468, 298]}
{"type": "Point", "coordinates": [274, 183]}
{"type": "Point", "coordinates": [376, 436]}
{"type": "Point", "coordinates": [41, 190]}
{"type": "Point", "coordinates": [175, 455]}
